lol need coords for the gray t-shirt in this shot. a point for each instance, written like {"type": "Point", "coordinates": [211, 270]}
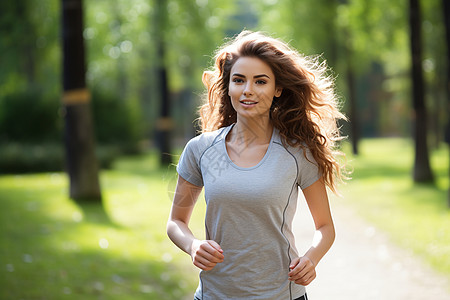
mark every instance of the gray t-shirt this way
{"type": "Point", "coordinates": [249, 213]}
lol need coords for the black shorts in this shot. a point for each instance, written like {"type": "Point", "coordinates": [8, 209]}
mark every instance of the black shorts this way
{"type": "Point", "coordinates": [304, 297]}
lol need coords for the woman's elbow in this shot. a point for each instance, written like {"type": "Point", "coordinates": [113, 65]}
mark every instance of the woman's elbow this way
{"type": "Point", "coordinates": [332, 234]}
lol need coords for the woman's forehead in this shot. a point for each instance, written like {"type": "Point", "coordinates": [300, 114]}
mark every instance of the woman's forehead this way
{"type": "Point", "coordinates": [251, 66]}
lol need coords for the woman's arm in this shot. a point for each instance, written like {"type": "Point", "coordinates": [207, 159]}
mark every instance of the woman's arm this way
{"type": "Point", "coordinates": [204, 254]}
{"type": "Point", "coordinates": [303, 268]}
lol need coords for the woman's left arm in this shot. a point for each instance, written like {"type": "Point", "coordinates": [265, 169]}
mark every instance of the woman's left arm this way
{"type": "Point", "coordinates": [303, 269]}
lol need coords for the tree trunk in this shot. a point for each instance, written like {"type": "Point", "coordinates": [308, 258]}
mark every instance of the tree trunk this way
{"type": "Point", "coordinates": [446, 10]}
{"type": "Point", "coordinates": [351, 93]}
{"type": "Point", "coordinates": [422, 170]}
{"type": "Point", "coordinates": [81, 162]}
{"type": "Point", "coordinates": [354, 123]}
{"type": "Point", "coordinates": [164, 124]}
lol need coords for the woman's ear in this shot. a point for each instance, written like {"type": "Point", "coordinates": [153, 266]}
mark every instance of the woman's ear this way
{"type": "Point", "coordinates": [278, 92]}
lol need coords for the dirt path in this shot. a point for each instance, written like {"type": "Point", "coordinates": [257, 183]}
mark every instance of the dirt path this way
{"type": "Point", "coordinates": [364, 265]}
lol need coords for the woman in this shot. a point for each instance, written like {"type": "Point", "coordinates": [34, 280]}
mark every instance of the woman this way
{"type": "Point", "coordinates": [269, 127]}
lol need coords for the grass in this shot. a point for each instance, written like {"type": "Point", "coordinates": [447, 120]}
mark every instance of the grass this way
{"type": "Point", "coordinates": [415, 216]}
{"type": "Point", "coordinates": [54, 248]}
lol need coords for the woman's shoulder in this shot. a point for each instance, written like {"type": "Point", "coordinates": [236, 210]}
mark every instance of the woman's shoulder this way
{"type": "Point", "coordinates": [298, 149]}
{"type": "Point", "coordinates": [207, 139]}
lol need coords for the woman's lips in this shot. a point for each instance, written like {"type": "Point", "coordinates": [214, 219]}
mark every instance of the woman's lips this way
{"type": "Point", "coordinates": [248, 102]}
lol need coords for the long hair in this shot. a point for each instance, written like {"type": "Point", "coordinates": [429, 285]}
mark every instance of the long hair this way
{"type": "Point", "coordinates": [306, 113]}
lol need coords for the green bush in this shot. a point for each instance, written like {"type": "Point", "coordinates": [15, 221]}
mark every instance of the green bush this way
{"type": "Point", "coordinates": [27, 158]}
{"type": "Point", "coordinates": [28, 116]}
{"type": "Point", "coordinates": [117, 121]}
{"type": "Point", "coordinates": [31, 130]}
{"type": "Point", "coordinates": [32, 116]}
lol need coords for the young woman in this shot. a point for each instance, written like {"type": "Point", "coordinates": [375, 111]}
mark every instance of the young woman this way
{"type": "Point", "coordinates": [269, 128]}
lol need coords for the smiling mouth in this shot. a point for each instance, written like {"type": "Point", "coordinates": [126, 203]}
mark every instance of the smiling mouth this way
{"type": "Point", "coordinates": [248, 102]}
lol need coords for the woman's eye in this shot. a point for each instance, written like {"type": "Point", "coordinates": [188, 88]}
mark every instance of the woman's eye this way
{"type": "Point", "coordinates": [261, 82]}
{"type": "Point", "coordinates": [238, 80]}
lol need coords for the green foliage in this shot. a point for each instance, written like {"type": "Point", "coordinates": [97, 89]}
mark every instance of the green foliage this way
{"type": "Point", "coordinates": [27, 116]}
{"type": "Point", "coordinates": [20, 158]}
{"type": "Point", "coordinates": [120, 40]}
{"type": "Point", "coordinates": [45, 157]}
{"type": "Point", "coordinates": [30, 47]}
{"type": "Point", "coordinates": [116, 121]}
{"type": "Point", "coordinates": [361, 34]}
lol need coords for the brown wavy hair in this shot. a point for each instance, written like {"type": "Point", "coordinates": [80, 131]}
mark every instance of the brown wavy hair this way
{"type": "Point", "coordinates": [307, 111]}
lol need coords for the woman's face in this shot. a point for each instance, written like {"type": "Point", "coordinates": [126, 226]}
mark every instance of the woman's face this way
{"type": "Point", "coordinates": [252, 87]}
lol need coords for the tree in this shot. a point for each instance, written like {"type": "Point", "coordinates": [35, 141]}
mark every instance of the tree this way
{"type": "Point", "coordinates": [164, 124]}
{"type": "Point", "coordinates": [446, 10]}
{"type": "Point", "coordinates": [82, 166]}
{"type": "Point", "coordinates": [351, 94]}
{"type": "Point", "coordinates": [422, 170]}
{"type": "Point", "coordinates": [348, 53]}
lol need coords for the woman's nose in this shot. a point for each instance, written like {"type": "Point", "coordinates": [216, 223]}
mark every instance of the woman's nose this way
{"type": "Point", "coordinates": [248, 91]}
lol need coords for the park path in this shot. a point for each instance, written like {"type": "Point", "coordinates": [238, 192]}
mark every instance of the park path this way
{"type": "Point", "coordinates": [364, 265]}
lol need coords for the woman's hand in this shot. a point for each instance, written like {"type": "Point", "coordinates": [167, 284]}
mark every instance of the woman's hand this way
{"type": "Point", "coordinates": [303, 271]}
{"type": "Point", "coordinates": [206, 254]}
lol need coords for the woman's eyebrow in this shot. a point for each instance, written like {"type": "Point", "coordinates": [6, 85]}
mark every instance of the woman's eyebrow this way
{"type": "Point", "coordinates": [262, 75]}
{"type": "Point", "coordinates": [238, 75]}
{"type": "Point", "coordinates": [256, 76]}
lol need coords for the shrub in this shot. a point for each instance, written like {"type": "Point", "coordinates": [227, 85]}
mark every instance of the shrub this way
{"type": "Point", "coordinates": [28, 116]}
{"type": "Point", "coordinates": [50, 157]}
{"type": "Point", "coordinates": [116, 120]}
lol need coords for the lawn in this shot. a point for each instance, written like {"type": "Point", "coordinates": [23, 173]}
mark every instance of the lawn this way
{"type": "Point", "coordinates": [415, 216]}
{"type": "Point", "coordinates": [54, 248]}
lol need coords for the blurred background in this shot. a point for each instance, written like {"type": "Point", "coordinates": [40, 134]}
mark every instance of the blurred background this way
{"type": "Point", "coordinates": [122, 120]}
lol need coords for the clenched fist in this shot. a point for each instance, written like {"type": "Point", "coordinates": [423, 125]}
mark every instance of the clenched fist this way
{"type": "Point", "coordinates": [206, 254]}
{"type": "Point", "coordinates": [303, 271]}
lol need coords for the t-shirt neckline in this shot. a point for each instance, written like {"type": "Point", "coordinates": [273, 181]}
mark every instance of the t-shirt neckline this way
{"type": "Point", "coordinates": [244, 168]}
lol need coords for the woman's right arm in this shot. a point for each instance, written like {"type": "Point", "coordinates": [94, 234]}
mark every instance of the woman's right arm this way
{"type": "Point", "coordinates": [205, 254]}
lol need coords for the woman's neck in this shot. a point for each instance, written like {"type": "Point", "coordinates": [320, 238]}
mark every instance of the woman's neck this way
{"type": "Point", "coordinates": [248, 132]}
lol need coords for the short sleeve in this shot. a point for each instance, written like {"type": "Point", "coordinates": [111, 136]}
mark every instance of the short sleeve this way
{"type": "Point", "coordinates": [188, 165]}
{"type": "Point", "coordinates": [308, 170]}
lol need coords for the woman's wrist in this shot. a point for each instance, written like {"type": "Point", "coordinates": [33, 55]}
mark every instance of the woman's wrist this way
{"type": "Point", "coordinates": [191, 247]}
